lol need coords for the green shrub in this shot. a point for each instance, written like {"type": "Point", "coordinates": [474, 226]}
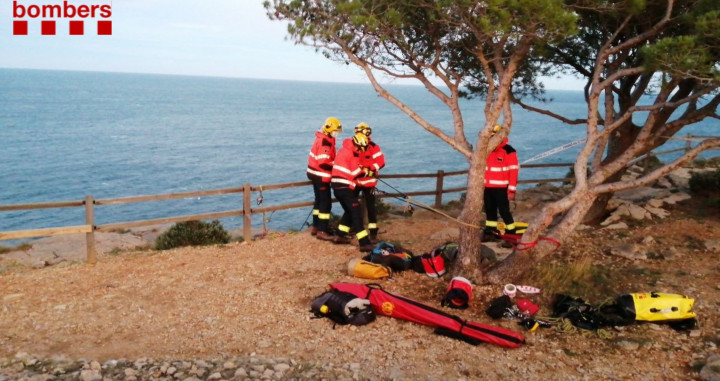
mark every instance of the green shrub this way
{"type": "Point", "coordinates": [382, 207]}
{"type": "Point", "coordinates": [706, 184]}
{"type": "Point", "coordinates": [193, 233]}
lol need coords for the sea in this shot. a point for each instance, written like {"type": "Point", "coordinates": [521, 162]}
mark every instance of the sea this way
{"type": "Point", "coordinates": [65, 135]}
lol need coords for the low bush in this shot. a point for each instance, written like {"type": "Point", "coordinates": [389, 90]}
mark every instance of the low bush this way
{"type": "Point", "coordinates": [193, 233]}
{"type": "Point", "coordinates": [705, 184]}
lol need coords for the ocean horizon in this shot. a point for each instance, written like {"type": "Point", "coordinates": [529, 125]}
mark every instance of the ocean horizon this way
{"type": "Point", "coordinates": [69, 134]}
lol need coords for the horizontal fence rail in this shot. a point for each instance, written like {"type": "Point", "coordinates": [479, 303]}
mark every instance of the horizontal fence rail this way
{"type": "Point", "coordinates": [89, 203]}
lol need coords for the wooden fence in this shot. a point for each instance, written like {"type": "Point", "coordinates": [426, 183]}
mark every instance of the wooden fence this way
{"type": "Point", "coordinates": [89, 203]}
{"type": "Point", "coordinates": [247, 190]}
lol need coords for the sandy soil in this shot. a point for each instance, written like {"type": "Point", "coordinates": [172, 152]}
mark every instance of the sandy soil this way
{"type": "Point", "coordinates": [254, 298]}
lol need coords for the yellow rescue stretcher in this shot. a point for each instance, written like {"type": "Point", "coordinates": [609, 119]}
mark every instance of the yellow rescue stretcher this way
{"type": "Point", "coordinates": [657, 307]}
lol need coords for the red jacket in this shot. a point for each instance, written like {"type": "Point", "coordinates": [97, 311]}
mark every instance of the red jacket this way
{"type": "Point", "coordinates": [347, 166]}
{"type": "Point", "coordinates": [374, 160]}
{"type": "Point", "coordinates": [322, 156]}
{"type": "Point", "coordinates": [502, 168]}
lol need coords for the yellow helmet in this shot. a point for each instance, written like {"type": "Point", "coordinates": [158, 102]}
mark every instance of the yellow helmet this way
{"type": "Point", "coordinates": [496, 128]}
{"type": "Point", "coordinates": [332, 124]}
{"type": "Point", "coordinates": [363, 128]}
{"type": "Point", "coordinates": [360, 140]}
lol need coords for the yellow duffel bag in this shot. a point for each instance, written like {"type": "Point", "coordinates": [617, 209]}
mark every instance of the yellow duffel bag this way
{"type": "Point", "coordinates": [655, 306]}
{"type": "Point", "coordinates": [367, 270]}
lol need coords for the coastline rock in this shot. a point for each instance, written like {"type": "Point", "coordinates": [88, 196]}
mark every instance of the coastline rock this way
{"type": "Point", "coordinates": [713, 245]}
{"type": "Point", "coordinates": [629, 250]}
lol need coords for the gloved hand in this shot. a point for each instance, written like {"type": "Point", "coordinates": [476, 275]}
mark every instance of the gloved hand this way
{"type": "Point", "coordinates": [356, 304]}
{"type": "Point", "coordinates": [371, 174]}
{"type": "Point", "coordinates": [511, 196]}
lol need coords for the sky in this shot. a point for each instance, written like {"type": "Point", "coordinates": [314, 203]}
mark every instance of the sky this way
{"type": "Point", "coordinates": [224, 38]}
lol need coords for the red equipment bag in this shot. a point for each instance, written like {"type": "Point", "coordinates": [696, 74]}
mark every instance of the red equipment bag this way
{"type": "Point", "coordinates": [459, 293]}
{"type": "Point", "coordinates": [433, 264]}
{"type": "Point", "coordinates": [385, 303]}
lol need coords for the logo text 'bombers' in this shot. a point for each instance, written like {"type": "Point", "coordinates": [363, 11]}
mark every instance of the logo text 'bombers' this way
{"type": "Point", "coordinates": [76, 14]}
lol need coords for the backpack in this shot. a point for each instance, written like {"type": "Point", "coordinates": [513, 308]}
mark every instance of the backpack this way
{"type": "Point", "coordinates": [391, 255]}
{"type": "Point", "coordinates": [361, 268]}
{"type": "Point", "coordinates": [342, 308]}
{"type": "Point", "coordinates": [433, 264]}
{"type": "Point", "coordinates": [448, 250]}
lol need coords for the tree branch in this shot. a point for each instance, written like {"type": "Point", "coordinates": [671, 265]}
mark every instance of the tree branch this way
{"type": "Point", "coordinates": [657, 173]}
{"type": "Point", "coordinates": [546, 112]}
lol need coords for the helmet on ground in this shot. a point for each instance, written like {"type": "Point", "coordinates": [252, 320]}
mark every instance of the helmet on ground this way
{"type": "Point", "coordinates": [360, 140]}
{"type": "Point", "coordinates": [496, 128]}
{"type": "Point", "coordinates": [363, 128]}
{"type": "Point", "coordinates": [332, 124]}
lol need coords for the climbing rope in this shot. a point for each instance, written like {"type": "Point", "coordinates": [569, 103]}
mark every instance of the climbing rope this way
{"type": "Point", "coordinates": [519, 246]}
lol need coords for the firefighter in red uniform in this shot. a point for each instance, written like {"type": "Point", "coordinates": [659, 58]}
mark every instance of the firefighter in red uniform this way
{"type": "Point", "coordinates": [501, 174]}
{"type": "Point", "coordinates": [374, 160]}
{"type": "Point", "coordinates": [345, 172]}
{"type": "Point", "coordinates": [319, 171]}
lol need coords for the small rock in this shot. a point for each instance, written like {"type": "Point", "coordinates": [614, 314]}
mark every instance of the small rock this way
{"type": "Point", "coordinates": [637, 212]}
{"type": "Point", "coordinates": [711, 370]}
{"type": "Point", "coordinates": [713, 245]}
{"type": "Point", "coordinates": [617, 226]}
{"type": "Point", "coordinates": [90, 375]}
{"type": "Point", "coordinates": [130, 372]}
{"type": "Point", "coordinates": [241, 373]}
{"type": "Point", "coordinates": [281, 367]}
{"type": "Point", "coordinates": [629, 251]}
{"type": "Point", "coordinates": [628, 345]}
{"type": "Point", "coordinates": [662, 213]}
{"type": "Point", "coordinates": [676, 197]}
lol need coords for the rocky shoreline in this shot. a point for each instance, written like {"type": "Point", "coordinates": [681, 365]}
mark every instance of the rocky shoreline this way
{"type": "Point", "coordinates": [27, 367]}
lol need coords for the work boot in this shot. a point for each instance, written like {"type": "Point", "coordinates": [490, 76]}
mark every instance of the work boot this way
{"type": "Point", "coordinates": [313, 231]}
{"type": "Point", "coordinates": [341, 240]}
{"type": "Point", "coordinates": [325, 236]}
{"type": "Point", "coordinates": [374, 238]}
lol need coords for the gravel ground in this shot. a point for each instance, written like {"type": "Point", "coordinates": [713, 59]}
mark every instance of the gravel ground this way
{"type": "Point", "coordinates": [241, 311]}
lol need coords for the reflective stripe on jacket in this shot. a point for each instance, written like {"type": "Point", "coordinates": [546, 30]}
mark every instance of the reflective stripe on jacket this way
{"type": "Point", "coordinates": [322, 156]}
{"type": "Point", "coordinates": [347, 167]}
{"type": "Point", "coordinates": [374, 160]}
{"type": "Point", "coordinates": [502, 168]}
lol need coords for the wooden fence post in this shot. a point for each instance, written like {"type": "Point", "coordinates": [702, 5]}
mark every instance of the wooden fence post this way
{"type": "Point", "coordinates": [247, 213]}
{"type": "Point", "coordinates": [363, 208]}
{"type": "Point", "coordinates": [439, 188]}
{"type": "Point", "coordinates": [90, 237]}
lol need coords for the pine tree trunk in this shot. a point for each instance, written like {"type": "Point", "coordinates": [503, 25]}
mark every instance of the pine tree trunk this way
{"type": "Point", "coordinates": [468, 262]}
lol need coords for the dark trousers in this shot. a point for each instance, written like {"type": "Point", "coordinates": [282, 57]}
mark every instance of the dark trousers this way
{"type": "Point", "coordinates": [322, 205]}
{"type": "Point", "coordinates": [369, 195]}
{"type": "Point", "coordinates": [496, 199]}
{"type": "Point", "coordinates": [352, 216]}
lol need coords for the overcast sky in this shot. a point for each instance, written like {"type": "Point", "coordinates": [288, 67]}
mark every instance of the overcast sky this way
{"type": "Point", "coordinates": [227, 38]}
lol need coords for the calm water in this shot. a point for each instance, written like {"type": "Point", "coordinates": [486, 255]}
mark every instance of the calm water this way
{"type": "Point", "coordinates": [65, 135]}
